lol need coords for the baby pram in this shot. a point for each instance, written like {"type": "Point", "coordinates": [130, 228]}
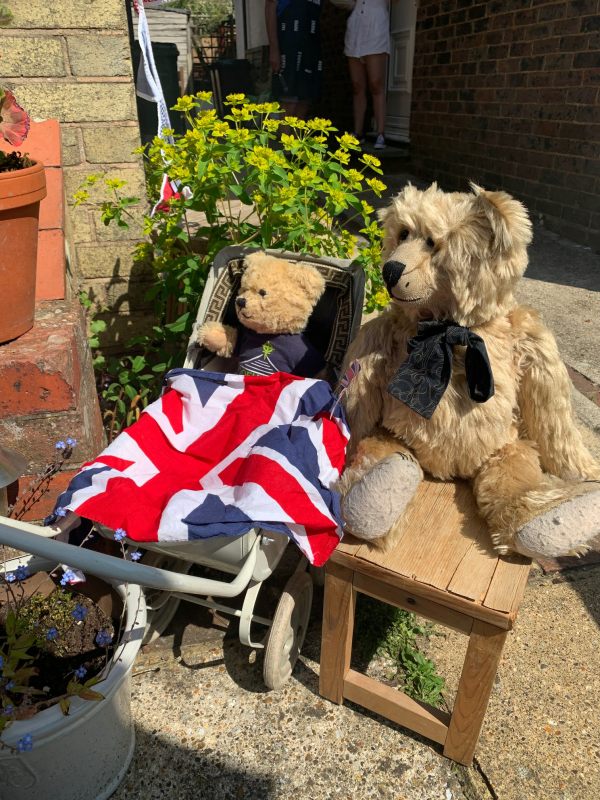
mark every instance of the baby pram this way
{"type": "Point", "coordinates": [252, 557]}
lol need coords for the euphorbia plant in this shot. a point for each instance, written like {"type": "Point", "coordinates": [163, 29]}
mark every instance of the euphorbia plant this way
{"type": "Point", "coordinates": [254, 177]}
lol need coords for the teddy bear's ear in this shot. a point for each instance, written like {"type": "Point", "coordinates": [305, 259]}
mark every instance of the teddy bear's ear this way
{"type": "Point", "coordinates": [311, 280]}
{"type": "Point", "coordinates": [506, 218]}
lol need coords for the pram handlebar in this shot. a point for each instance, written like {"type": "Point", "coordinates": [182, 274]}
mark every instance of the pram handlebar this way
{"type": "Point", "coordinates": [35, 540]}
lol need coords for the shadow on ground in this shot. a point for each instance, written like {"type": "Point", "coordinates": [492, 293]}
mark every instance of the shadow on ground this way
{"type": "Point", "coordinates": [556, 261]}
{"type": "Point", "coordinates": [192, 773]}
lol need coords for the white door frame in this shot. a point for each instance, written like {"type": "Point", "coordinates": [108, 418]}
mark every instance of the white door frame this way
{"type": "Point", "coordinates": [399, 74]}
{"type": "Point", "coordinates": [250, 28]}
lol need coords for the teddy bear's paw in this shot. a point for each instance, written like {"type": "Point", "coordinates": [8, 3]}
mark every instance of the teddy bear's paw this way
{"type": "Point", "coordinates": [213, 336]}
{"type": "Point", "coordinates": [565, 530]}
{"type": "Point", "coordinates": [376, 501]}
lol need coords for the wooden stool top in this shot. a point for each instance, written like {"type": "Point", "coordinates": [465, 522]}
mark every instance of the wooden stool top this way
{"type": "Point", "coordinates": [444, 554]}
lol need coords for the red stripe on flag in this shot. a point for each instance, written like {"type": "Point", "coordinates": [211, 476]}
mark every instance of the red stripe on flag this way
{"type": "Point", "coordinates": [243, 415]}
{"type": "Point", "coordinates": [127, 507]}
{"type": "Point", "coordinates": [138, 508]}
{"type": "Point", "coordinates": [172, 407]}
{"type": "Point", "coordinates": [333, 441]}
{"type": "Point", "coordinates": [289, 494]}
{"type": "Point", "coordinates": [113, 461]}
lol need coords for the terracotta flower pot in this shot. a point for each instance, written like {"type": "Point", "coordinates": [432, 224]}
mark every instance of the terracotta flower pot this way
{"type": "Point", "coordinates": [20, 195]}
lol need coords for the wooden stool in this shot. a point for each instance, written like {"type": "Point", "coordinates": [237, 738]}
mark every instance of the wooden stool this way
{"type": "Point", "coordinates": [442, 568]}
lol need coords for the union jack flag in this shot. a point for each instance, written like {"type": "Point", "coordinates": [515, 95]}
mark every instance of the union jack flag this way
{"type": "Point", "coordinates": [221, 453]}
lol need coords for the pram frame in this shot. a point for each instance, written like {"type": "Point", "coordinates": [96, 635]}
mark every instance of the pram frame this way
{"type": "Point", "coordinates": [251, 558]}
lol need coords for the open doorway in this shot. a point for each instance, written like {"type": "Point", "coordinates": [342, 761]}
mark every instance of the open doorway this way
{"type": "Point", "coordinates": [336, 102]}
{"type": "Point", "coordinates": [403, 18]}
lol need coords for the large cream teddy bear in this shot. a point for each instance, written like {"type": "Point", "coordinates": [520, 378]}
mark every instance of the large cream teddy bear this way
{"type": "Point", "coordinates": [457, 380]}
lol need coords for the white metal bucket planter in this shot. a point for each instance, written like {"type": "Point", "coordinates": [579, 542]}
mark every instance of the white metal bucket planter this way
{"type": "Point", "coordinates": [85, 755]}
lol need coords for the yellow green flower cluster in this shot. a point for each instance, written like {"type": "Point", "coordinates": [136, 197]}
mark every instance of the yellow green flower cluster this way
{"type": "Point", "coordinates": [258, 177]}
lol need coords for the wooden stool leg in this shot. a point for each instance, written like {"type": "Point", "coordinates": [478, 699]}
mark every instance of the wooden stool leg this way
{"type": "Point", "coordinates": [338, 626]}
{"type": "Point", "coordinates": [474, 689]}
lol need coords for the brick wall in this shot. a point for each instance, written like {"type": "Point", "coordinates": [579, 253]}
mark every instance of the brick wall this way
{"type": "Point", "coordinates": [70, 60]}
{"type": "Point", "coordinates": [507, 93]}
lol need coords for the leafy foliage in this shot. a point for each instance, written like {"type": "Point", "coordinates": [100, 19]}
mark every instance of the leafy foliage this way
{"type": "Point", "coordinates": [394, 633]}
{"type": "Point", "coordinates": [207, 14]}
{"type": "Point", "coordinates": [255, 177]}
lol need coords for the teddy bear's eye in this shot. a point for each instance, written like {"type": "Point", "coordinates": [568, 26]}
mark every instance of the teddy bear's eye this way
{"type": "Point", "coordinates": [262, 292]}
{"type": "Point", "coordinates": [403, 235]}
{"type": "Point", "coordinates": [430, 242]}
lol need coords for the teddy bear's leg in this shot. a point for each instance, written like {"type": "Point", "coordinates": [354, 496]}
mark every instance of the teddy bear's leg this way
{"type": "Point", "coordinates": [376, 487]}
{"type": "Point", "coordinates": [531, 512]}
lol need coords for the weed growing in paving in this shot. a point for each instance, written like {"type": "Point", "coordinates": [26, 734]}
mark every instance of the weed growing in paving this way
{"type": "Point", "coordinates": [384, 630]}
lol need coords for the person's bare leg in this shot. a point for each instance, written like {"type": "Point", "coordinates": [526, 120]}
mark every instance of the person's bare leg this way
{"type": "Point", "coordinates": [376, 66]}
{"type": "Point", "coordinates": [289, 106]}
{"type": "Point", "coordinates": [295, 108]}
{"type": "Point", "coordinates": [302, 109]}
{"type": "Point", "coordinates": [358, 77]}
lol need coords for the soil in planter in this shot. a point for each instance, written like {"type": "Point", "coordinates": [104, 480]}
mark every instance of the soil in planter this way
{"type": "Point", "coordinates": [9, 162]}
{"type": "Point", "coordinates": [74, 646]}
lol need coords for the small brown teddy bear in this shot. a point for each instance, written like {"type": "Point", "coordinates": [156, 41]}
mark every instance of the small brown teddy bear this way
{"type": "Point", "coordinates": [273, 305]}
{"type": "Point", "coordinates": [458, 380]}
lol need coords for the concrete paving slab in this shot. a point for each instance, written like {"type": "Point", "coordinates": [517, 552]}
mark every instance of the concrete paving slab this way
{"type": "Point", "coordinates": [207, 727]}
{"type": "Point", "coordinates": [540, 737]}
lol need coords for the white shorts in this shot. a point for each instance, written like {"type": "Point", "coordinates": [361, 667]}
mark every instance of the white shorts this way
{"type": "Point", "coordinates": [368, 29]}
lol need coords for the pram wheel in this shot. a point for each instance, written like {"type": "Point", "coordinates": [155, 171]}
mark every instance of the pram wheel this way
{"type": "Point", "coordinates": [288, 630]}
{"type": "Point", "coordinates": [161, 605]}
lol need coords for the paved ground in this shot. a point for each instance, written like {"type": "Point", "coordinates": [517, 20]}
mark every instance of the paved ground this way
{"type": "Point", "coordinates": [207, 727]}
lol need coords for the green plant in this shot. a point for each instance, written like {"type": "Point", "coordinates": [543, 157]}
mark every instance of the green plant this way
{"type": "Point", "coordinates": [394, 633]}
{"type": "Point", "coordinates": [207, 14]}
{"type": "Point", "coordinates": [6, 14]}
{"type": "Point", "coordinates": [33, 627]}
{"type": "Point", "coordinates": [46, 637]}
{"type": "Point", "coordinates": [254, 178]}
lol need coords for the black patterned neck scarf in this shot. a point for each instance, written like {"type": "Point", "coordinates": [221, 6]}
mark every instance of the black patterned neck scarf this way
{"type": "Point", "coordinates": [423, 378]}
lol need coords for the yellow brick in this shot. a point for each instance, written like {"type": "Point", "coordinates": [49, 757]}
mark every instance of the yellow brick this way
{"type": "Point", "coordinates": [134, 177]}
{"type": "Point", "coordinates": [78, 102]}
{"type": "Point", "coordinates": [121, 296]}
{"type": "Point", "coordinates": [114, 233]}
{"type": "Point", "coordinates": [110, 260]}
{"type": "Point", "coordinates": [68, 14]}
{"type": "Point", "coordinates": [93, 54]}
{"type": "Point", "coordinates": [71, 151]}
{"type": "Point", "coordinates": [105, 144]}
{"type": "Point", "coordinates": [82, 227]}
{"type": "Point", "coordinates": [31, 57]}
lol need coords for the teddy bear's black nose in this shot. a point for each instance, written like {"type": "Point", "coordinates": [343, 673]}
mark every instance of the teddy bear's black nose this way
{"type": "Point", "coordinates": [392, 270]}
{"type": "Point", "coordinates": [240, 302]}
